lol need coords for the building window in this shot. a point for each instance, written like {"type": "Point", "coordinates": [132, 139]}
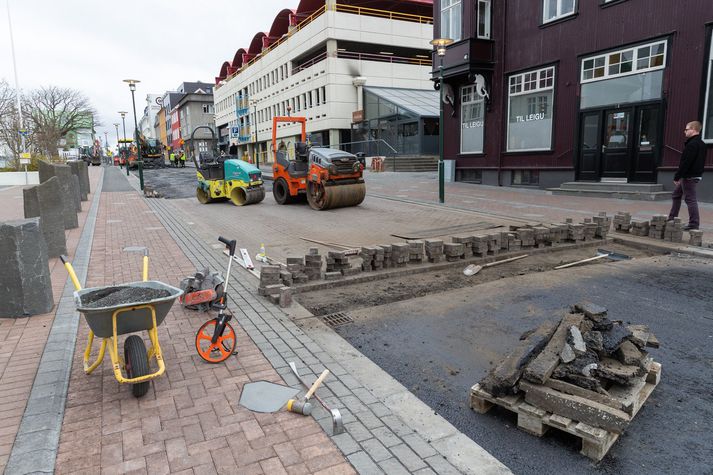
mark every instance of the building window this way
{"type": "Point", "coordinates": [484, 19]}
{"type": "Point", "coordinates": [472, 120]}
{"type": "Point", "coordinates": [530, 110]}
{"type": "Point", "coordinates": [469, 175]}
{"type": "Point", "coordinates": [649, 57]}
{"type": "Point", "coordinates": [525, 177]}
{"type": "Point", "coordinates": [206, 108]}
{"type": "Point", "coordinates": [708, 110]}
{"type": "Point", "coordinates": [555, 9]}
{"type": "Point", "coordinates": [451, 19]}
{"type": "Point", "coordinates": [324, 95]}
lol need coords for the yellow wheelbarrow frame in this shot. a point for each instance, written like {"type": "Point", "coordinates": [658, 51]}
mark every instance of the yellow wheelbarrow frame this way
{"type": "Point", "coordinates": [118, 363]}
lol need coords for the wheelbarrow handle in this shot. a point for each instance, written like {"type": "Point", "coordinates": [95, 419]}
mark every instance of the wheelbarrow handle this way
{"type": "Point", "coordinates": [70, 271]}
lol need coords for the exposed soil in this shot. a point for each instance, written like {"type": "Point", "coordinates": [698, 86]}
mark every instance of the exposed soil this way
{"type": "Point", "coordinates": [118, 296]}
{"type": "Point", "coordinates": [396, 289]}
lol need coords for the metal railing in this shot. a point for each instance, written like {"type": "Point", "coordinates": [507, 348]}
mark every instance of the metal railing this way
{"type": "Point", "coordinates": [428, 20]}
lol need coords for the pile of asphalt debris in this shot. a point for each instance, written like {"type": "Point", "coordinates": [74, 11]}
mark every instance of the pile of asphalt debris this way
{"type": "Point", "coordinates": [121, 296]}
{"type": "Point", "coordinates": [585, 349]}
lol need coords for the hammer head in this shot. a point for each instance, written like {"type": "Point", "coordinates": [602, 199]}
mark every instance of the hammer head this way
{"type": "Point", "coordinates": [299, 406]}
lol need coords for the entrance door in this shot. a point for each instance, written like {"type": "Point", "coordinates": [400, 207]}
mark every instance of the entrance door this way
{"type": "Point", "coordinates": [590, 146]}
{"type": "Point", "coordinates": [646, 144]}
{"type": "Point", "coordinates": [616, 143]}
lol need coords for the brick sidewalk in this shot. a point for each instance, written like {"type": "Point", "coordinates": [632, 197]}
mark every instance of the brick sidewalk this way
{"type": "Point", "coordinates": [22, 340]}
{"type": "Point", "coordinates": [190, 421]}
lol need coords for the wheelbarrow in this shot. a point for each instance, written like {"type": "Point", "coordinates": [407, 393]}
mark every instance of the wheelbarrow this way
{"type": "Point", "coordinates": [133, 312]}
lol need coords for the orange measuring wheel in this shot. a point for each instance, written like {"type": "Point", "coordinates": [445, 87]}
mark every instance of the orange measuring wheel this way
{"type": "Point", "coordinates": [223, 347]}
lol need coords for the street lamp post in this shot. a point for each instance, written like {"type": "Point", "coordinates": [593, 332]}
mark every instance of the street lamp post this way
{"type": "Point", "coordinates": [441, 44]}
{"type": "Point", "coordinates": [126, 159]}
{"type": "Point", "coordinates": [132, 87]}
{"type": "Point", "coordinates": [116, 126]}
{"type": "Point", "coordinates": [106, 141]}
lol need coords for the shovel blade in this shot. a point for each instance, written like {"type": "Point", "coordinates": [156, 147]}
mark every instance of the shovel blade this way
{"type": "Point", "coordinates": [472, 270]}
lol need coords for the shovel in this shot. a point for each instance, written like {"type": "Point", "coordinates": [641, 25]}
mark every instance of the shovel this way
{"type": "Point", "coordinates": [337, 424]}
{"type": "Point", "coordinates": [474, 269]}
{"type": "Point", "coordinates": [601, 254]}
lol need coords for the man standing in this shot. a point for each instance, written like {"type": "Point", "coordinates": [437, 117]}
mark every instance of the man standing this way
{"type": "Point", "coordinates": [172, 159]}
{"type": "Point", "coordinates": [689, 173]}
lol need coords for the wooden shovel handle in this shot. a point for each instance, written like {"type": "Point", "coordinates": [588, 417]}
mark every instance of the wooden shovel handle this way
{"type": "Point", "coordinates": [316, 384]}
{"type": "Point", "coordinates": [582, 261]}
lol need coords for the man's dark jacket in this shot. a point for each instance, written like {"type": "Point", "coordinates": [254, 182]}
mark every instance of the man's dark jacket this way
{"type": "Point", "coordinates": [693, 159]}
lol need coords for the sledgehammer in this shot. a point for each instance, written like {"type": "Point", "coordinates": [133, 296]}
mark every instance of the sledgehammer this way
{"type": "Point", "coordinates": [303, 406]}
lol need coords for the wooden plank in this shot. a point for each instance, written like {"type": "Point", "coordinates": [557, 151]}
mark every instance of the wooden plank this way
{"type": "Point", "coordinates": [575, 407]}
{"type": "Point", "coordinates": [502, 379]}
{"type": "Point", "coordinates": [541, 368]}
{"type": "Point", "coordinates": [575, 390]}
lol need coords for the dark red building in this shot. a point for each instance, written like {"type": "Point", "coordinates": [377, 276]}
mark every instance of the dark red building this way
{"type": "Point", "coordinates": [542, 92]}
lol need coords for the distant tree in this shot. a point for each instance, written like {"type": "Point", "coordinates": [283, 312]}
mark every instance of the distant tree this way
{"type": "Point", "coordinates": [54, 112]}
{"type": "Point", "coordinates": [10, 122]}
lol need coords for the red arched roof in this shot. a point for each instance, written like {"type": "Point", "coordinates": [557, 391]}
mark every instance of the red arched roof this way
{"type": "Point", "coordinates": [256, 44]}
{"type": "Point", "coordinates": [307, 7]}
{"type": "Point", "coordinates": [238, 58]}
{"type": "Point", "coordinates": [280, 24]}
{"type": "Point", "coordinates": [224, 70]}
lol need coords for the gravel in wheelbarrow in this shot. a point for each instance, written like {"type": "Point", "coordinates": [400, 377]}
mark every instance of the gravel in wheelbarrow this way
{"type": "Point", "coordinates": [98, 304]}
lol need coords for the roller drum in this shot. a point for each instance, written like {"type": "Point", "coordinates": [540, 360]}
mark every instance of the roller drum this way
{"type": "Point", "coordinates": [337, 196]}
{"type": "Point", "coordinates": [242, 196]}
{"type": "Point", "coordinates": [203, 196]}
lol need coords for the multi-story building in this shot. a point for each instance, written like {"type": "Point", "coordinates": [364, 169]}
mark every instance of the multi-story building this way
{"type": "Point", "coordinates": [171, 137]}
{"type": "Point", "coordinates": [318, 61]}
{"type": "Point", "coordinates": [552, 91]}
{"type": "Point", "coordinates": [196, 121]}
{"type": "Point", "coordinates": [146, 123]}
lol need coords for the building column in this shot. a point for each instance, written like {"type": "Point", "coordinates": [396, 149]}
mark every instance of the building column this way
{"type": "Point", "coordinates": [334, 138]}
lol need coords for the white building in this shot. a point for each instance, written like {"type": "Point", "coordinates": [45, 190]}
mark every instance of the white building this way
{"type": "Point", "coordinates": [314, 62]}
{"type": "Point", "coordinates": [146, 123]}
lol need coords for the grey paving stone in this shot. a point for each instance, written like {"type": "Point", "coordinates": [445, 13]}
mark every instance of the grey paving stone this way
{"type": "Point", "coordinates": [368, 418]}
{"type": "Point", "coordinates": [376, 450]}
{"type": "Point", "coordinates": [393, 467]}
{"type": "Point", "coordinates": [346, 443]}
{"type": "Point", "coordinates": [39, 461]}
{"type": "Point", "coordinates": [441, 466]}
{"type": "Point", "coordinates": [379, 409]}
{"type": "Point", "coordinates": [365, 396]}
{"type": "Point", "coordinates": [350, 381]}
{"type": "Point", "coordinates": [395, 424]}
{"type": "Point", "coordinates": [425, 471]}
{"type": "Point", "coordinates": [363, 464]}
{"type": "Point", "coordinates": [28, 442]}
{"type": "Point", "coordinates": [407, 457]}
{"type": "Point", "coordinates": [419, 445]}
{"type": "Point", "coordinates": [339, 389]}
{"type": "Point", "coordinates": [353, 403]}
{"type": "Point", "coordinates": [386, 437]}
{"type": "Point", "coordinates": [358, 431]}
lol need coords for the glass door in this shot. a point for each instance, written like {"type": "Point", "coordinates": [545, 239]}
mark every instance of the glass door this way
{"type": "Point", "coordinates": [616, 143]}
{"type": "Point", "coordinates": [646, 143]}
{"type": "Point", "coordinates": [589, 147]}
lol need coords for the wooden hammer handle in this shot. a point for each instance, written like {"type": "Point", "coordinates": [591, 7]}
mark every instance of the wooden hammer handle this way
{"type": "Point", "coordinates": [316, 384]}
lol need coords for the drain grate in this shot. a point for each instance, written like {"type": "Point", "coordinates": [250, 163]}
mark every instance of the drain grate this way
{"type": "Point", "coordinates": [337, 319]}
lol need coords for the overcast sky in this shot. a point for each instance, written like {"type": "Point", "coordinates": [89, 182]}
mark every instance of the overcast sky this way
{"type": "Point", "coordinates": [91, 45]}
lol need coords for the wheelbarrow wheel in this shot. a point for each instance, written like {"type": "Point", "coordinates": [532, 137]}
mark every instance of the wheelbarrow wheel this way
{"type": "Point", "coordinates": [137, 363]}
{"type": "Point", "coordinates": [222, 349]}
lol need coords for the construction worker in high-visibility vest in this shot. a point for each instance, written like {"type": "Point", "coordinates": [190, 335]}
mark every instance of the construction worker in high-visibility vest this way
{"type": "Point", "coordinates": [172, 158]}
{"type": "Point", "coordinates": [182, 159]}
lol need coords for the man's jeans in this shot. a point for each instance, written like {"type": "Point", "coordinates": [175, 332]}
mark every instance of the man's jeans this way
{"type": "Point", "coordinates": [686, 188]}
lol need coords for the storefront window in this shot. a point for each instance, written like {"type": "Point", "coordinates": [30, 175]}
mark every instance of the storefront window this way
{"type": "Point", "coordinates": [649, 57]}
{"type": "Point", "coordinates": [530, 110]}
{"type": "Point", "coordinates": [451, 19]}
{"type": "Point", "coordinates": [472, 118]}
{"type": "Point", "coordinates": [708, 113]}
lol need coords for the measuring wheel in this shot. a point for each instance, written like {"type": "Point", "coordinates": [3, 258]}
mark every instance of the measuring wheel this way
{"type": "Point", "coordinates": [221, 349]}
{"type": "Point", "coordinates": [137, 363]}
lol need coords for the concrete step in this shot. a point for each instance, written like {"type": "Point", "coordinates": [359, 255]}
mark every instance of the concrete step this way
{"type": "Point", "coordinates": [417, 163]}
{"type": "Point", "coordinates": [621, 195]}
{"type": "Point", "coordinates": [613, 186]}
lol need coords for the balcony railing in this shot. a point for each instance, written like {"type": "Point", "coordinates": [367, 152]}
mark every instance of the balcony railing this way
{"type": "Point", "coordinates": [427, 20]}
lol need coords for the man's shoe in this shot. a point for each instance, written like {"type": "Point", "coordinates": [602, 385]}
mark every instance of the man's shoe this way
{"type": "Point", "coordinates": [690, 227]}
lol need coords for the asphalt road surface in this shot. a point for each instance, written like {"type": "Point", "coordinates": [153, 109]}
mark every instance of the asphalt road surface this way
{"type": "Point", "coordinates": [439, 346]}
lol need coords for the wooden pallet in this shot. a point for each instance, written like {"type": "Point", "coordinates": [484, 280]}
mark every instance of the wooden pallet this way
{"type": "Point", "coordinates": [596, 442]}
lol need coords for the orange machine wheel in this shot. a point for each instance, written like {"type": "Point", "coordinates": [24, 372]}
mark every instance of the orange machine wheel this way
{"type": "Point", "coordinates": [222, 349]}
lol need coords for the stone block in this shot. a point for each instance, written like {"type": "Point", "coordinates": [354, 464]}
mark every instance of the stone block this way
{"type": "Point", "coordinates": [43, 201]}
{"type": "Point", "coordinates": [76, 166]}
{"type": "Point", "coordinates": [25, 285]}
{"type": "Point", "coordinates": [285, 297]}
{"type": "Point", "coordinates": [70, 199]}
{"type": "Point", "coordinates": [76, 193]}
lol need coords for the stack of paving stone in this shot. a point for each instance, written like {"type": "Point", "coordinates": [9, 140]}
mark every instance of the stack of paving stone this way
{"type": "Point", "coordinates": [387, 251]}
{"type": "Point", "coordinates": [527, 236]}
{"type": "Point", "coordinates": [622, 222]}
{"type": "Point", "coordinates": [270, 282]}
{"type": "Point", "coordinates": [657, 226]}
{"type": "Point", "coordinates": [296, 266]}
{"type": "Point", "coordinates": [379, 257]}
{"type": "Point", "coordinates": [416, 251]}
{"type": "Point", "coordinates": [603, 224]}
{"type": "Point", "coordinates": [400, 254]}
{"type": "Point", "coordinates": [367, 255]}
{"type": "Point", "coordinates": [575, 232]}
{"type": "Point", "coordinates": [494, 244]}
{"type": "Point", "coordinates": [542, 236]}
{"type": "Point", "coordinates": [313, 264]}
{"type": "Point", "coordinates": [434, 250]}
{"type": "Point", "coordinates": [504, 240]}
{"type": "Point", "coordinates": [639, 227]}
{"type": "Point", "coordinates": [695, 237]}
{"type": "Point", "coordinates": [479, 246]}
{"type": "Point", "coordinates": [337, 261]}
{"type": "Point", "coordinates": [590, 229]}
{"type": "Point", "coordinates": [286, 277]}
{"type": "Point", "coordinates": [514, 244]}
{"type": "Point", "coordinates": [467, 242]}
{"type": "Point", "coordinates": [453, 251]}
{"type": "Point", "coordinates": [673, 231]}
